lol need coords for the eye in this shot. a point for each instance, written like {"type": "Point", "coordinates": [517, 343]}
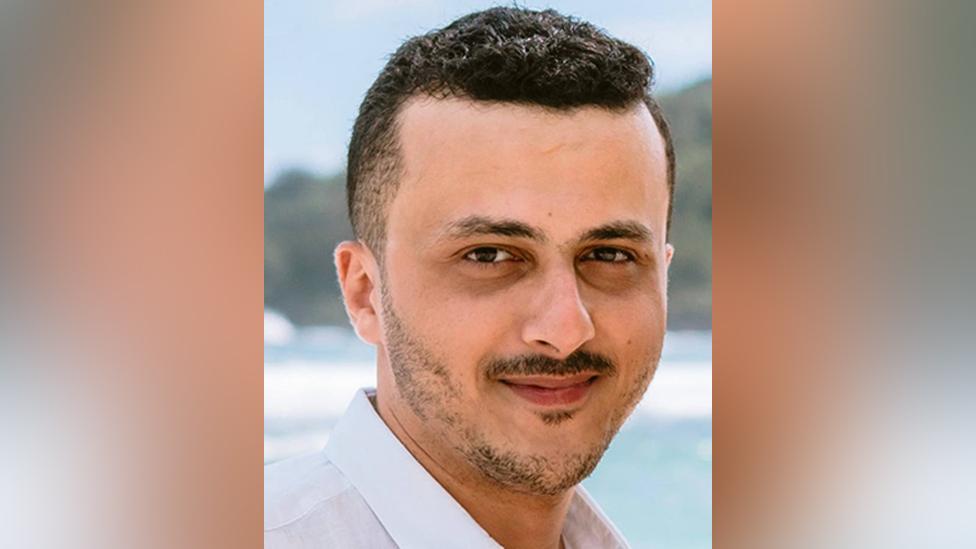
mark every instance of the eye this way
{"type": "Point", "coordinates": [608, 255]}
{"type": "Point", "coordinates": [488, 255]}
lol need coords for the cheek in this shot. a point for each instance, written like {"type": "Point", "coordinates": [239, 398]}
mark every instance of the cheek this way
{"type": "Point", "coordinates": [640, 311]}
{"type": "Point", "coordinates": [632, 330]}
{"type": "Point", "coordinates": [460, 332]}
{"type": "Point", "coordinates": [458, 311]}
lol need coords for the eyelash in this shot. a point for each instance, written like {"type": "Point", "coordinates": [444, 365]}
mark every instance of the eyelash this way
{"type": "Point", "coordinates": [628, 257]}
{"type": "Point", "coordinates": [489, 263]}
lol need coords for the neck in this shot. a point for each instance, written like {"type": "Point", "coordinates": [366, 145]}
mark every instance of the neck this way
{"type": "Point", "coordinates": [514, 519]}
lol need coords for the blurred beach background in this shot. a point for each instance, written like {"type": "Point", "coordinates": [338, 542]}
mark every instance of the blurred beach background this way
{"type": "Point", "coordinates": [655, 481]}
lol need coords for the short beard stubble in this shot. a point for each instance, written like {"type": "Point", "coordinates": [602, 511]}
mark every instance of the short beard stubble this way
{"type": "Point", "coordinates": [426, 385]}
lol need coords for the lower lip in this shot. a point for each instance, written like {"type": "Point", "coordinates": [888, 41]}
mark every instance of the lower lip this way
{"type": "Point", "coordinates": [561, 396]}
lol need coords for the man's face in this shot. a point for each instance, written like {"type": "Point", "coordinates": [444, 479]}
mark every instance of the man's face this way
{"type": "Point", "coordinates": [523, 285]}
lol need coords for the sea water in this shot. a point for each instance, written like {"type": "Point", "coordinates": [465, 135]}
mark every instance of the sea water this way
{"type": "Point", "coordinates": [654, 482]}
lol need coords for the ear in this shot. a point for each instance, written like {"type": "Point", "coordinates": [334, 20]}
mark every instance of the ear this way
{"type": "Point", "coordinates": [358, 279]}
{"type": "Point", "coordinates": [668, 254]}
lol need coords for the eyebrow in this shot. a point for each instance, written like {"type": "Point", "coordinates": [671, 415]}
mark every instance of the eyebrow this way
{"type": "Point", "coordinates": [627, 230]}
{"type": "Point", "coordinates": [477, 225]}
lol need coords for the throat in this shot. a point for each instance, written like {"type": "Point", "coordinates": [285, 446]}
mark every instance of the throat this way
{"type": "Point", "coordinates": [512, 518]}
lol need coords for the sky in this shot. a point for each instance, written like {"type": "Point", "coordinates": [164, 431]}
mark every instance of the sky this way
{"type": "Point", "coordinates": [320, 57]}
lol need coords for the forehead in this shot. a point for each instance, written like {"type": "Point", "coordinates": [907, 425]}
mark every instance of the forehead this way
{"type": "Point", "coordinates": [560, 171]}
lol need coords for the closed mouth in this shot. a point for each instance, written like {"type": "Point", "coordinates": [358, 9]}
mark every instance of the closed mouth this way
{"type": "Point", "coordinates": [552, 390]}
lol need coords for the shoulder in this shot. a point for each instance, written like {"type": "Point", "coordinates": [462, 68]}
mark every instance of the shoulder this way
{"type": "Point", "coordinates": [308, 502]}
{"type": "Point", "coordinates": [296, 486]}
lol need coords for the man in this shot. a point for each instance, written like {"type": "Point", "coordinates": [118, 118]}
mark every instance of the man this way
{"type": "Point", "coordinates": [509, 183]}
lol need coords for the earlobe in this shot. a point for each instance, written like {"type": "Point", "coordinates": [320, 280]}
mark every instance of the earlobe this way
{"type": "Point", "coordinates": [356, 270]}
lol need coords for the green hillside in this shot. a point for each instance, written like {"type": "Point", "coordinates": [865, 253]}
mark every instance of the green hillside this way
{"type": "Point", "coordinates": [305, 217]}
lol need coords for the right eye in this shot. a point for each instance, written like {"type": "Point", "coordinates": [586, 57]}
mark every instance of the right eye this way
{"type": "Point", "coordinates": [488, 255]}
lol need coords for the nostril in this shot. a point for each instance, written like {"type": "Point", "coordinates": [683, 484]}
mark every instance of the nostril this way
{"type": "Point", "coordinates": [549, 348]}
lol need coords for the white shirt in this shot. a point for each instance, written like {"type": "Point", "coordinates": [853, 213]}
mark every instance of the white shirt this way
{"type": "Point", "coordinates": [366, 490]}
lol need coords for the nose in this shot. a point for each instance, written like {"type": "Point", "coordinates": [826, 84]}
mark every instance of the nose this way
{"type": "Point", "coordinates": [559, 322]}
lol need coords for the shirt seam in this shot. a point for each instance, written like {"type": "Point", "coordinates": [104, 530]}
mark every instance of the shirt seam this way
{"type": "Point", "coordinates": [308, 511]}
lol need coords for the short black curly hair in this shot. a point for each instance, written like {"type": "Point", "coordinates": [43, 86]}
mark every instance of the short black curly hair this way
{"type": "Point", "coordinates": [503, 54]}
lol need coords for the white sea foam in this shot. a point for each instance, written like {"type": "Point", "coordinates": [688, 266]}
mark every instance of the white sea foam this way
{"type": "Point", "coordinates": [679, 390]}
{"type": "Point", "coordinates": [313, 390]}
{"type": "Point", "coordinates": [278, 330]}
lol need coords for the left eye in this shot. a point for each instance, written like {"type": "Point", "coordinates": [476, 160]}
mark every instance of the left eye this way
{"type": "Point", "coordinates": [608, 255]}
{"type": "Point", "coordinates": [488, 255]}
